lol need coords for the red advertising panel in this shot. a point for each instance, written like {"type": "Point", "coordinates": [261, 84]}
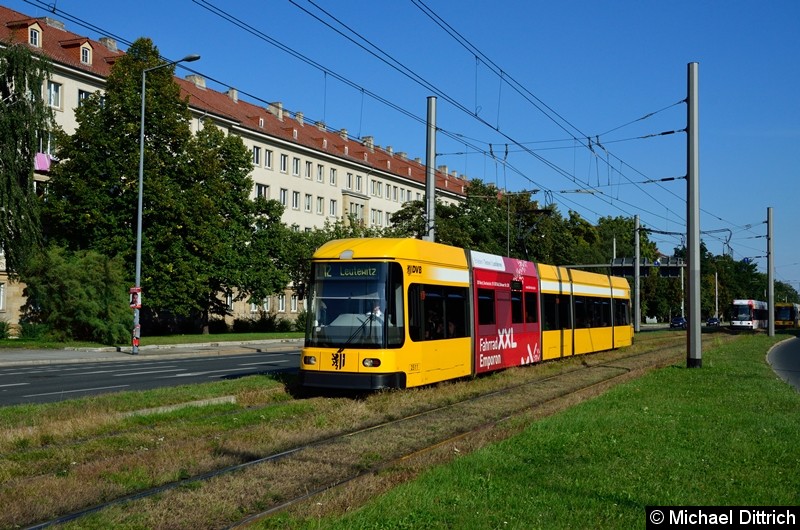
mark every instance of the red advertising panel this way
{"type": "Point", "coordinates": [506, 312]}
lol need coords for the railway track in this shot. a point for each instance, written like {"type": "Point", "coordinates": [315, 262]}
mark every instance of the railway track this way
{"type": "Point", "coordinates": [338, 462]}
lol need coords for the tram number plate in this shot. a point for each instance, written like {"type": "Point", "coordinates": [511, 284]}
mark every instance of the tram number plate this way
{"type": "Point", "coordinates": [414, 367]}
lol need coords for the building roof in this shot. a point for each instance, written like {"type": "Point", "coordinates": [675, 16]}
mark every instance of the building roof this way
{"type": "Point", "coordinates": [63, 48]}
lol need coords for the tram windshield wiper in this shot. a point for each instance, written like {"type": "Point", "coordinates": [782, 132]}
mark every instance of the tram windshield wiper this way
{"type": "Point", "coordinates": [369, 318]}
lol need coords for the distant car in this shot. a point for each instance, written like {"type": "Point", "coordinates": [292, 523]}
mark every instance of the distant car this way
{"type": "Point", "coordinates": [678, 322]}
{"type": "Point", "coordinates": [713, 321]}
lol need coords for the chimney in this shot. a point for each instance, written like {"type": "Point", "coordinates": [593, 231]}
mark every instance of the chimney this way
{"type": "Point", "coordinates": [299, 117]}
{"type": "Point", "coordinates": [320, 125]}
{"type": "Point", "coordinates": [403, 155]}
{"type": "Point", "coordinates": [343, 134]}
{"type": "Point", "coordinates": [442, 169]}
{"type": "Point", "coordinates": [389, 150]}
{"type": "Point", "coordinates": [53, 23]}
{"type": "Point", "coordinates": [276, 109]}
{"type": "Point", "coordinates": [369, 142]}
{"type": "Point", "coordinates": [233, 94]}
{"type": "Point", "coordinates": [198, 80]}
{"type": "Point", "coordinates": [109, 43]}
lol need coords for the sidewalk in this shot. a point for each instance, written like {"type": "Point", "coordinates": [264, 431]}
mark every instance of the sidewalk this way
{"type": "Point", "coordinates": [23, 357]}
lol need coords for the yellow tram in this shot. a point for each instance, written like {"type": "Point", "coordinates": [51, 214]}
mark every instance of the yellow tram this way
{"type": "Point", "coordinates": [398, 313]}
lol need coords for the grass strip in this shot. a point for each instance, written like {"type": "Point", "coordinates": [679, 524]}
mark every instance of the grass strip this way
{"type": "Point", "coordinates": [723, 434]}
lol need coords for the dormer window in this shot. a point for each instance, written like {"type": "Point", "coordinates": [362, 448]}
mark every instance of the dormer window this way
{"type": "Point", "coordinates": [35, 37]}
{"type": "Point", "coordinates": [86, 55]}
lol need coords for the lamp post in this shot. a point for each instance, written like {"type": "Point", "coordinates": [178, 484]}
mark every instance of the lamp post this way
{"type": "Point", "coordinates": [136, 292]}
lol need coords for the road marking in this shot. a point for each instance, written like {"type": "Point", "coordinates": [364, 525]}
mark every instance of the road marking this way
{"type": "Point", "coordinates": [14, 384]}
{"type": "Point", "coordinates": [266, 363]}
{"type": "Point", "coordinates": [149, 372]}
{"type": "Point", "coordinates": [78, 390]}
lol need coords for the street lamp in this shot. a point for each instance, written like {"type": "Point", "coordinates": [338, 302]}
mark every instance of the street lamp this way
{"type": "Point", "coordinates": [136, 292]}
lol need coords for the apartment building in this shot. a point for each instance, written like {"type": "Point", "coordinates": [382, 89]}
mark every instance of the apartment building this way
{"type": "Point", "coordinates": [316, 172]}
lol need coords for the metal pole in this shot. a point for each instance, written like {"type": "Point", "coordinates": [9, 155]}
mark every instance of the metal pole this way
{"type": "Point", "coordinates": [694, 351]}
{"type": "Point", "coordinates": [138, 286]}
{"type": "Point", "coordinates": [637, 310]}
{"type": "Point", "coordinates": [430, 168]}
{"type": "Point", "coordinates": [770, 275]}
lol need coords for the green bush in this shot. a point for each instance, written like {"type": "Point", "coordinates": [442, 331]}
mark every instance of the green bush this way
{"type": "Point", "coordinates": [77, 296]}
{"type": "Point", "coordinates": [5, 329]}
{"type": "Point", "coordinates": [33, 331]}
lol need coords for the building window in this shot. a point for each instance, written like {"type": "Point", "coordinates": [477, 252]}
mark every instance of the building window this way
{"type": "Point", "coordinates": [229, 301]}
{"type": "Point", "coordinates": [86, 55]}
{"type": "Point", "coordinates": [293, 302]}
{"type": "Point", "coordinates": [358, 182]}
{"type": "Point", "coordinates": [281, 303]}
{"type": "Point", "coordinates": [332, 207]}
{"type": "Point", "coordinates": [375, 188]}
{"type": "Point", "coordinates": [34, 37]}
{"type": "Point", "coordinates": [357, 211]}
{"type": "Point", "coordinates": [54, 94]}
{"type": "Point", "coordinates": [284, 196]}
{"type": "Point", "coordinates": [284, 163]}
{"type": "Point", "coordinates": [394, 193]}
{"type": "Point", "coordinates": [267, 159]}
{"type": "Point", "coordinates": [267, 304]}
{"type": "Point", "coordinates": [2, 296]}
{"type": "Point", "coordinates": [256, 155]}
{"type": "Point", "coordinates": [296, 167]}
{"type": "Point", "coordinates": [320, 205]}
{"type": "Point", "coordinates": [295, 200]}
{"type": "Point", "coordinates": [309, 165]}
{"type": "Point", "coordinates": [307, 203]}
{"type": "Point", "coordinates": [320, 173]}
{"type": "Point", "coordinates": [47, 142]}
{"type": "Point", "coordinates": [349, 181]}
{"type": "Point", "coordinates": [82, 96]}
{"type": "Point", "coordinates": [333, 176]}
{"type": "Point", "coordinates": [262, 191]}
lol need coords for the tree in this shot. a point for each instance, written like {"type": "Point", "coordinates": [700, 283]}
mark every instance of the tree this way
{"type": "Point", "coordinates": [94, 190]}
{"type": "Point", "coordinates": [78, 296]}
{"type": "Point", "coordinates": [25, 121]}
{"type": "Point", "coordinates": [203, 238]}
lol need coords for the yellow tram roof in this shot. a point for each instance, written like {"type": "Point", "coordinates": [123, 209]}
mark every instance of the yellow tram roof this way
{"type": "Point", "coordinates": [392, 248]}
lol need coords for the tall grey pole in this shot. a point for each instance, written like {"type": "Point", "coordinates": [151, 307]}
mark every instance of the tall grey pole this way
{"type": "Point", "coordinates": [694, 353]}
{"type": "Point", "coordinates": [637, 308]}
{"type": "Point", "coordinates": [430, 169]}
{"type": "Point", "coordinates": [137, 290]}
{"type": "Point", "coordinates": [770, 275]}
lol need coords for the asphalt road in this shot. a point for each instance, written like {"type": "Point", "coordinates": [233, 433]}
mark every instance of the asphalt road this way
{"type": "Point", "coordinates": [785, 361]}
{"type": "Point", "coordinates": [49, 376]}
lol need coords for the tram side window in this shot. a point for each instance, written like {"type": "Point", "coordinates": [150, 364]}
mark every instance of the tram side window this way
{"type": "Point", "coordinates": [549, 311]}
{"type": "Point", "coordinates": [622, 314]}
{"type": "Point", "coordinates": [516, 307]}
{"type": "Point", "coordinates": [582, 316]}
{"type": "Point", "coordinates": [486, 307]}
{"type": "Point", "coordinates": [556, 312]}
{"type": "Point", "coordinates": [564, 315]}
{"type": "Point", "coordinates": [437, 312]}
{"type": "Point", "coordinates": [531, 309]}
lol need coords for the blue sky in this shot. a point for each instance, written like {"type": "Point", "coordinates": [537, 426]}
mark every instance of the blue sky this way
{"type": "Point", "coordinates": [538, 77]}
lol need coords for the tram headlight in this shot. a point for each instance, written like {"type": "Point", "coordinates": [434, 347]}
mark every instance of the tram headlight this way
{"type": "Point", "coordinates": [309, 359]}
{"type": "Point", "coordinates": [371, 363]}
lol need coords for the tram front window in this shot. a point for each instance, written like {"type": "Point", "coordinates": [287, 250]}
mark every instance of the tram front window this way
{"type": "Point", "coordinates": [356, 305]}
{"type": "Point", "coordinates": [740, 312]}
